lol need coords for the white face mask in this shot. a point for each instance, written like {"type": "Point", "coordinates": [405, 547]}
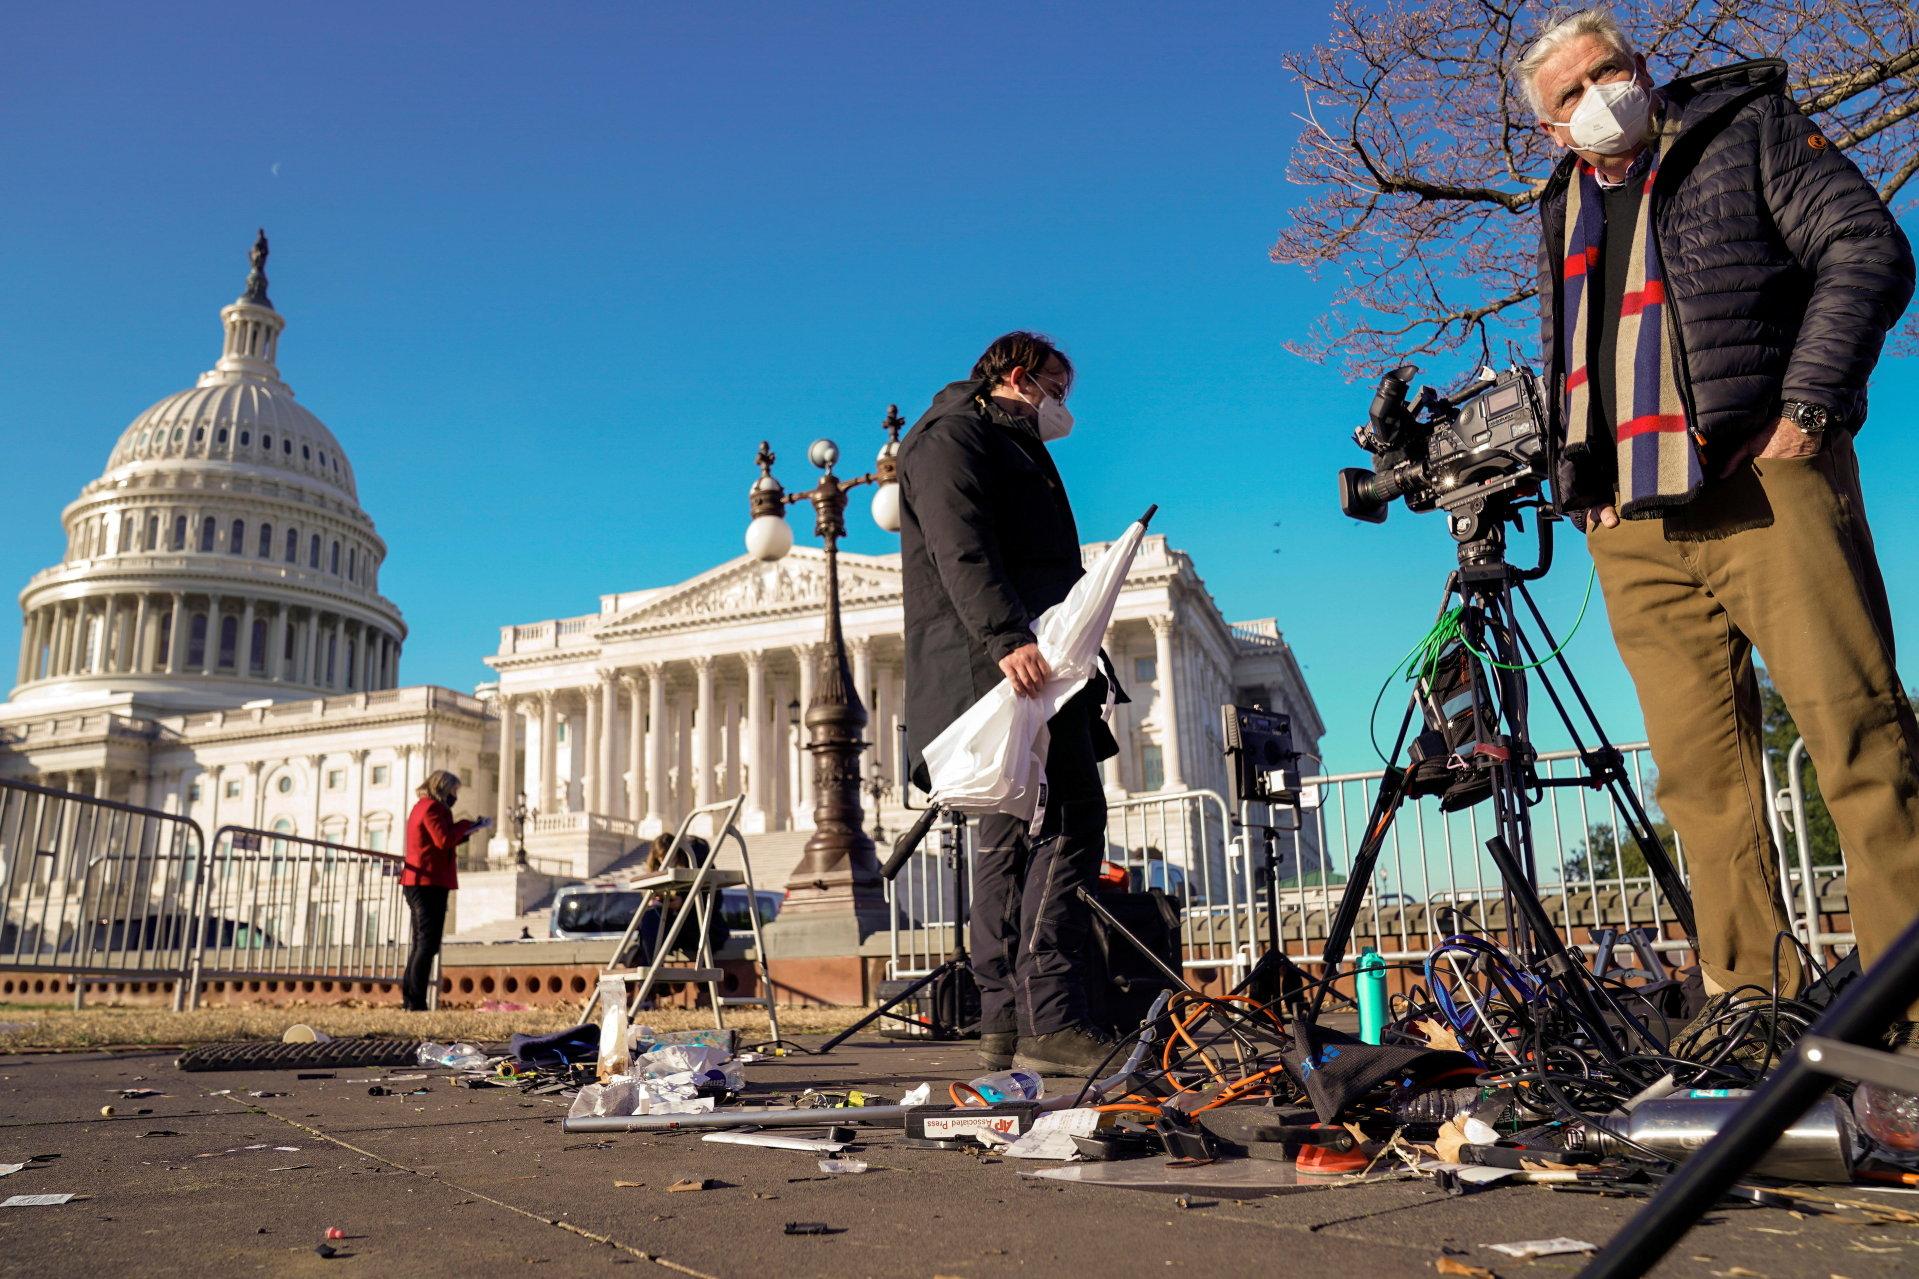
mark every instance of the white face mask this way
{"type": "Point", "coordinates": [1055, 419]}
{"type": "Point", "coordinates": [1612, 119]}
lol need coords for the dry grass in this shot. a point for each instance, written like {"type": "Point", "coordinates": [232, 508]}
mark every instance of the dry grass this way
{"type": "Point", "coordinates": [40, 1028]}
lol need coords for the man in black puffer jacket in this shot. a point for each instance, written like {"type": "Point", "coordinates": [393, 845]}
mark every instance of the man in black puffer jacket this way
{"type": "Point", "coordinates": [1716, 281]}
{"type": "Point", "coordinates": [987, 544]}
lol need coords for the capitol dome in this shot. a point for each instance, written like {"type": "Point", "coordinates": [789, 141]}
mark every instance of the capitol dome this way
{"type": "Point", "coordinates": [223, 556]}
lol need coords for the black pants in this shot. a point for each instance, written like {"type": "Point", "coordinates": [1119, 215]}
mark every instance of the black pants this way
{"type": "Point", "coordinates": [1030, 937]}
{"type": "Point", "coordinates": [428, 908]}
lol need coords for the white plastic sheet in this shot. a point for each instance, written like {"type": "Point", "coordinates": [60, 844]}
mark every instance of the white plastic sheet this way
{"type": "Point", "coordinates": [992, 759]}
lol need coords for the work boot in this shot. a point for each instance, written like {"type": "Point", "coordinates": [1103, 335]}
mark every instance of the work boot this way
{"type": "Point", "coordinates": [1077, 1050]}
{"type": "Point", "coordinates": [996, 1049]}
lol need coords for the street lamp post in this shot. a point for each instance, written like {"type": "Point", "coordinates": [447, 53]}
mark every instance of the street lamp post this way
{"type": "Point", "coordinates": [518, 815]}
{"type": "Point", "coordinates": [838, 866]}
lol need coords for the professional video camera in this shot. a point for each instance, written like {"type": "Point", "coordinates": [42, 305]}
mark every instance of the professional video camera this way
{"type": "Point", "coordinates": [1449, 451]}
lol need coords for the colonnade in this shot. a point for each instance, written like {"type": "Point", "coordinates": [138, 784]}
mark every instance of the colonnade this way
{"type": "Point", "coordinates": [185, 633]}
{"type": "Point", "coordinates": [647, 743]}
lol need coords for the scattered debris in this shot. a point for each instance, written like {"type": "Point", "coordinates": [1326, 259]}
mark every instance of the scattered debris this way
{"type": "Point", "coordinates": [7, 1170]}
{"type": "Point", "coordinates": [301, 1033]}
{"type": "Point", "coordinates": [1463, 1269]}
{"type": "Point", "coordinates": [334, 1232]}
{"type": "Point", "coordinates": [35, 1201]}
{"type": "Point", "coordinates": [1528, 1248]}
{"type": "Point", "coordinates": [326, 1250]}
{"type": "Point", "coordinates": [106, 1112]}
{"type": "Point", "coordinates": [160, 1132]}
{"type": "Point", "coordinates": [134, 1094]}
{"type": "Point", "coordinates": [843, 1167]}
{"type": "Point", "coordinates": [691, 1183]}
{"type": "Point", "coordinates": [811, 1228]}
{"type": "Point", "coordinates": [314, 1074]}
{"type": "Point", "coordinates": [628, 1185]}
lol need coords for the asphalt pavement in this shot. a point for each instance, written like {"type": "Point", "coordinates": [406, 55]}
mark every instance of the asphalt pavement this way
{"type": "Point", "coordinates": [207, 1179]}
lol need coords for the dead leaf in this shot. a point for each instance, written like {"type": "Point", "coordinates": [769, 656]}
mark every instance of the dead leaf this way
{"type": "Point", "coordinates": [1451, 1138]}
{"type": "Point", "coordinates": [1437, 1034]}
{"type": "Point", "coordinates": [1463, 1269]}
{"type": "Point", "coordinates": [628, 1185]}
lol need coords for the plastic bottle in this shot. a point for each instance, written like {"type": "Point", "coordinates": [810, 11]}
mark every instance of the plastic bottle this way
{"type": "Point", "coordinates": [453, 1056]}
{"type": "Point", "coordinates": [1009, 1085]}
{"type": "Point", "coordinates": [1891, 1119]}
{"type": "Point", "coordinates": [1497, 1108]}
{"type": "Point", "coordinates": [1372, 995]}
{"type": "Point", "coordinates": [613, 1029]}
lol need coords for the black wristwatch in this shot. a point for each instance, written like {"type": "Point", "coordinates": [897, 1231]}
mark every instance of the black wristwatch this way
{"type": "Point", "coordinates": [1813, 419]}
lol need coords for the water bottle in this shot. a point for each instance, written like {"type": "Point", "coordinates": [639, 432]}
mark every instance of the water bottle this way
{"type": "Point", "coordinates": [1372, 995]}
{"type": "Point", "coordinates": [614, 1053]}
{"type": "Point", "coordinates": [1008, 1085]}
{"type": "Point", "coordinates": [1891, 1119]}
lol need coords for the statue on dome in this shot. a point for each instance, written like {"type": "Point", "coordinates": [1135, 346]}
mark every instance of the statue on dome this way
{"type": "Point", "coordinates": [257, 277]}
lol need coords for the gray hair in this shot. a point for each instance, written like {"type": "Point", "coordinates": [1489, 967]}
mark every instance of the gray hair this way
{"type": "Point", "coordinates": [1596, 21]}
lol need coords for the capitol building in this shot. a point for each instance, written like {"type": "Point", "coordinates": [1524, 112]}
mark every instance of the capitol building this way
{"type": "Point", "coordinates": [214, 643]}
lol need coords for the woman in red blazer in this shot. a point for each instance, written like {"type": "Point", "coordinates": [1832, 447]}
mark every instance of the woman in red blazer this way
{"type": "Point", "coordinates": [431, 872]}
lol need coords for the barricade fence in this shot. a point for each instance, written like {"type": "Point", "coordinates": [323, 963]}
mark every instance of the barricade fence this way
{"type": "Point", "coordinates": [92, 888]}
{"type": "Point", "coordinates": [1433, 878]}
{"type": "Point", "coordinates": [281, 906]}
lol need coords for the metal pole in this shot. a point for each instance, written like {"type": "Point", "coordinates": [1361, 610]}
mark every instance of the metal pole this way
{"type": "Point", "coordinates": [1859, 1015]}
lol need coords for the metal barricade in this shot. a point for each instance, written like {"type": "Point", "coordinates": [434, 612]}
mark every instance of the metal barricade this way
{"type": "Point", "coordinates": [285, 907]}
{"type": "Point", "coordinates": [92, 887]}
{"type": "Point", "coordinates": [1434, 878]}
{"type": "Point", "coordinates": [1180, 842]}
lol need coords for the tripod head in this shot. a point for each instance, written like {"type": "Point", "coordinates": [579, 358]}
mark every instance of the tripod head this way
{"type": "Point", "coordinates": [1480, 530]}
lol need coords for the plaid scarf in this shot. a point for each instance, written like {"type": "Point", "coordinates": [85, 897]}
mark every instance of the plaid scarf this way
{"type": "Point", "coordinates": [1656, 464]}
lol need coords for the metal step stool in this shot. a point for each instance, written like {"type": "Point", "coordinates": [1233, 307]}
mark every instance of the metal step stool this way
{"type": "Point", "coordinates": [699, 888]}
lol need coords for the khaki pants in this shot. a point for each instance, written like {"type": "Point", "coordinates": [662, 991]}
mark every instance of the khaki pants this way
{"type": "Point", "coordinates": [1776, 557]}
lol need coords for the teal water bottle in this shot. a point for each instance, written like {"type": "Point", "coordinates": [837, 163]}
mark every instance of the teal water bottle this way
{"type": "Point", "coordinates": [1372, 995]}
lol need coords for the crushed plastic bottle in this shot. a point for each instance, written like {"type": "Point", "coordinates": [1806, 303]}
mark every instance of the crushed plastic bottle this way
{"type": "Point", "coordinates": [1891, 1119]}
{"type": "Point", "coordinates": [1495, 1107]}
{"type": "Point", "coordinates": [1009, 1085]}
{"type": "Point", "coordinates": [615, 1053]}
{"type": "Point", "coordinates": [460, 1056]}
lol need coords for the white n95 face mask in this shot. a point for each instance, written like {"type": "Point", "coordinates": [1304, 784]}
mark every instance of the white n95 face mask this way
{"type": "Point", "coordinates": [1612, 119]}
{"type": "Point", "coordinates": [1055, 419]}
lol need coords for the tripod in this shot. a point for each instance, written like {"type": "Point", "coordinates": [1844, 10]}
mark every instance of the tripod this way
{"type": "Point", "coordinates": [953, 970]}
{"type": "Point", "coordinates": [1504, 767]}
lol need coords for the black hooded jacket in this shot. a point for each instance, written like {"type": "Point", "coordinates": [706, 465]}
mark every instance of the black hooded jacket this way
{"type": "Point", "coordinates": [987, 544]}
{"type": "Point", "coordinates": [1783, 268]}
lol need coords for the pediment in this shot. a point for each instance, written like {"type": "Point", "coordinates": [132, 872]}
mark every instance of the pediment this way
{"type": "Point", "coordinates": [745, 589]}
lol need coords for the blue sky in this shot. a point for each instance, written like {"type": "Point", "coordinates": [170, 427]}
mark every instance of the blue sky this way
{"type": "Point", "coordinates": [552, 271]}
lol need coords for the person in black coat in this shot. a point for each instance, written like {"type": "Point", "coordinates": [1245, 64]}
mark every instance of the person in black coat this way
{"type": "Point", "coordinates": [988, 543]}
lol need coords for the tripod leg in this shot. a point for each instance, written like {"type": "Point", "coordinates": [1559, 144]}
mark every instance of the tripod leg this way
{"type": "Point", "coordinates": [886, 1009]}
{"type": "Point", "coordinates": [1609, 770]}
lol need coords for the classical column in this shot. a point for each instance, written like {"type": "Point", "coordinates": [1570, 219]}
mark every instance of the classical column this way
{"type": "Point", "coordinates": [277, 645]}
{"type": "Point", "coordinates": [509, 763]}
{"type": "Point", "coordinates": [356, 828]}
{"type": "Point", "coordinates": [243, 649]}
{"type": "Point", "coordinates": [549, 754]}
{"type": "Point", "coordinates": [1168, 709]}
{"type": "Point", "coordinates": [177, 636]}
{"type": "Point", "coordinates": [77, 641]}
{"type": "Point", "coordinates": [779, 758]}
{"type": "Point", "coordinates": [656, 802]}
{"type": "Point", "coordinates": [607, 793]}
{"type": "Point", "coordinates": [369, 638]}
{"type": "Point", "coordinates": [586, 754]}
{"type": "Point", "coordinates": [703, 716]}
{"type": "Point", "coordinates": [27, 635]}
{"type": "Point", "coordinates": [256, 792]}
{"type": "Point", "coordinates": [808, 655]}
{"type": "Point", "coordinates": [335, 674]}
{"type": "Point", "coordinates": [753, 752]}
{"type": "Point", "coordinates": [860, 649]}
{"type": "Point", "coordinates": [310, 675]}
{"type": "Point", "coordinates": [109, 618]}
{"type": "Point", "coordinates": [141, 656]}
{"type": "Point", "coordinates": [210, 654]}
{"type": "Point", "coordinates": [635, 750]}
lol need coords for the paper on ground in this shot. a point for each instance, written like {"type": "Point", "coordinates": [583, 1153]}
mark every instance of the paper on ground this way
{"type": "Point", "coordinates": [7, 1170]}
{"type": "Point", "coordinates": [1051, 1136]}
{"type": "Point", "coordinates": [1543, 1247]}
{"type": "Point", "coordinates": [34, 1201]}
{"type": "Point", "coordinates": [812, 1145]}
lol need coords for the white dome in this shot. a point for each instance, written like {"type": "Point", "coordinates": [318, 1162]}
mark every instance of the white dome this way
{"type": "Point", "coordinates": [243, 421]}
{"type": "Point", "coordinates": [223, 556]}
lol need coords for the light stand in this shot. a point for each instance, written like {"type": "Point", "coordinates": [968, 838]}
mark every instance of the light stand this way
{"type": "Point", "coordinates": [955, 968]}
